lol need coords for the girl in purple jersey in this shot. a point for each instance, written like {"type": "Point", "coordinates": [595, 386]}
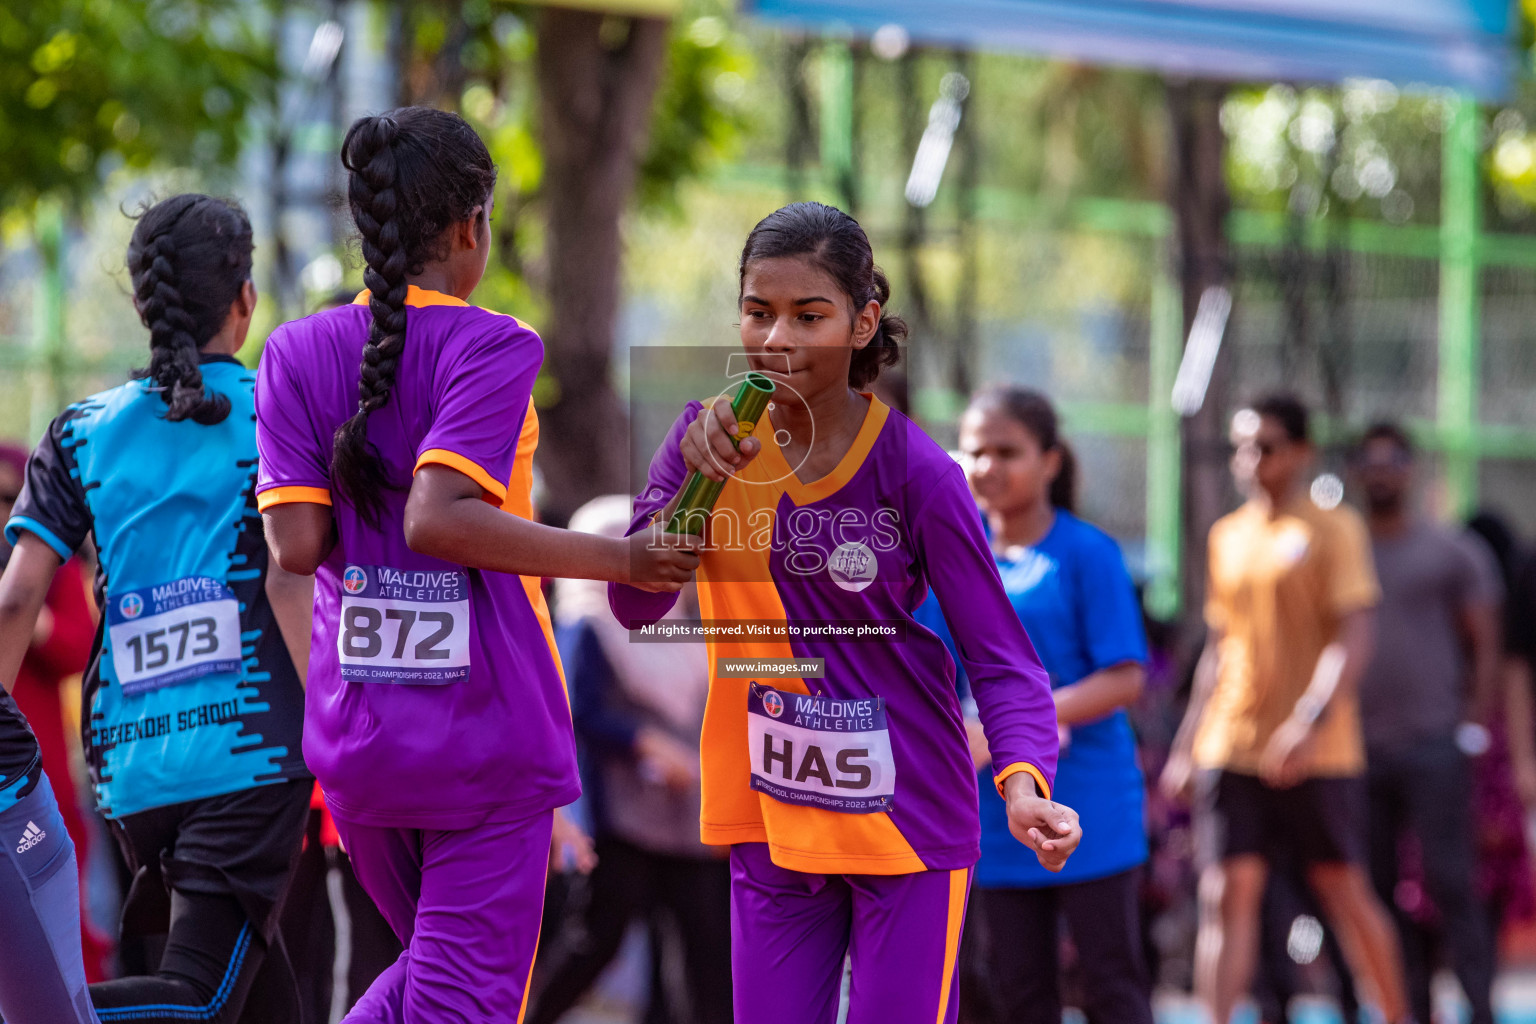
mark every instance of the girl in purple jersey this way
{"type": "Point", "coordinates": [847, 797]}
{"type": "Point", "coordinates": [396, 438]}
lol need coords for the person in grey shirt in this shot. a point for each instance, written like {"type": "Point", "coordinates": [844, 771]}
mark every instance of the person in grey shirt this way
{"type": "Point", "coordinates": [1429, 686]}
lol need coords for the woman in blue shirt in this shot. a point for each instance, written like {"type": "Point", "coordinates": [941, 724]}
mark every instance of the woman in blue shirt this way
{"type": "Point", "coordinates": [1071, 590]}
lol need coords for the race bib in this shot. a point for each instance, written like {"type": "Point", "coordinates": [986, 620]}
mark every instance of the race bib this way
{"type": "Point", "coordinates": [173, 633]}
{"type": "Point", "coordinates": [404, 625]}
{"type": "Point", "coordinates": [821, 752]}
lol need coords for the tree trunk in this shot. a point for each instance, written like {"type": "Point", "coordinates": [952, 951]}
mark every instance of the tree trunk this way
{"type": "Point", "coordinates": [1200, 205]}
{"type": "Point", "coordinates": [800, 138]}
{"type": "Point", "coordinates": [597, 78]}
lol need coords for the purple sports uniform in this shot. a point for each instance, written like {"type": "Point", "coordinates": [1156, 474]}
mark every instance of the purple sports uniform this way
{"type": "Point", "coordinates": [849, 798]}
{"type": "Point", "coordinates": [436, 716]}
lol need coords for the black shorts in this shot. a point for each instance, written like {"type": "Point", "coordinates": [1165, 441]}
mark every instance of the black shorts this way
{"type": "Point", "coordinates": [1318, 821]}
{"type": "Point", "coordinates": [244, 844]}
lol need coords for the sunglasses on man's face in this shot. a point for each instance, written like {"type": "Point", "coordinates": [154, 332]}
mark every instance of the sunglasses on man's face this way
{"type": "Point", "coordinates": [1264, 448]}
{"type": "Point", "coordinates": [1398, 461]}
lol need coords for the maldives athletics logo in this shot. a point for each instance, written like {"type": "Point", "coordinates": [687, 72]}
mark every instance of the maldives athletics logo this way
{"type": "Point", "coordinates": [773, 704]}
{"type": "Point", "coordinates": [354, 580]}
{"type": "Point", "coordinates": [132, 606]}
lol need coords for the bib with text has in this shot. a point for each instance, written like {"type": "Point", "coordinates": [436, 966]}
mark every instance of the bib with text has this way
{"type": "Point", "coordinates": [821, 752]}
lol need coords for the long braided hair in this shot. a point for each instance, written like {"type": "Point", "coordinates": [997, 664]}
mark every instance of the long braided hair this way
{"type": "Point", "coordinates": [189, 257]}
{"type": "Point", "coordinates": [412, 173]}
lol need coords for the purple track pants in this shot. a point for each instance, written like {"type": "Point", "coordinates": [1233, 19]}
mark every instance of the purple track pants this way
{"type": "Point", "coordinates": [790, 932]}
{"type": "Point", "coordinates": [466, 905]}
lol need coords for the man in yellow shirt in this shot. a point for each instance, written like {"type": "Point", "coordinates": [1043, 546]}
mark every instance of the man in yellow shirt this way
{"type": "Point", "coordinates": [1272, 737]}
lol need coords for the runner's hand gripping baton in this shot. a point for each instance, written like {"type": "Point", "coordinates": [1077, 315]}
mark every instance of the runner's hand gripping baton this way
{"type": "Point", "coordinates": [700, 492]}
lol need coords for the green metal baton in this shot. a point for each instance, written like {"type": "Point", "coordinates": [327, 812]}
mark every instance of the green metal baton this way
{"type": "Point", "coordinates": [700, 492]}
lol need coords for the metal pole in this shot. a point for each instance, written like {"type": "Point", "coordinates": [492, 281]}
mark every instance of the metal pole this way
{"type": "Point", "coordinates": [1164, 450]}
{"type": "Point", "coordinates": [1456, 407]}
{"type": "Point", "coordinates": [50, 386]}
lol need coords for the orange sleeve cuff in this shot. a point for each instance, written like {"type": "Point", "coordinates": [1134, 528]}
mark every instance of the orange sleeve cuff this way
{"type": "Point", "coordinates": [1021, 766]}
{"type": "Point", "coordinates": [453, 460]}
{"type": "Point", "coordinates": [289, 495]}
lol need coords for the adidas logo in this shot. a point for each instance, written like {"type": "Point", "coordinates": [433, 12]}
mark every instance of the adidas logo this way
{"type": "Point", "coordinates": [31, 837]}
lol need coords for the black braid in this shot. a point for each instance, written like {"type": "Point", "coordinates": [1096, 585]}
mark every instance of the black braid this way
{"type": "Point", "coordinates": [367, 153]}
{"type": "Point", "coordinates": [413, 173]}
{"type": "Point", "coordinates": [189, 258]}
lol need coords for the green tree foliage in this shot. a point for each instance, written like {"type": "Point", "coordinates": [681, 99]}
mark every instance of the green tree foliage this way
{"type": "Point", "coordinates": [1365, 149]}
{"type": "Point", "coordinates": [90, 85]}
{"type": "Point", "coordinates": [586, 115]}
{"type": "Point", "coordinates": [476, 56]}
{"type": "Point", "coordinates": [698, 114]}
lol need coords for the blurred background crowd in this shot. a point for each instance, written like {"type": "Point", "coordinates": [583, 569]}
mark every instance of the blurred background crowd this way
{"type": "Point", "coordinates": [1154, 223]}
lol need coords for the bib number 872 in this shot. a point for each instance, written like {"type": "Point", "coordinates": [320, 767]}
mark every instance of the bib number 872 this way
{"type": "Point", "coordinates": [150, 651]}
{"type": "Point", "coordinates": [362, 633]}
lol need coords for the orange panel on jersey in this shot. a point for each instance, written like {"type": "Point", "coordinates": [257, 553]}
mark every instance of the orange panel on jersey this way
{"type": "Point", "coordinates": [519, 502]}
{"type": "Point", "coordinates": [519, 496]}
{"type": "Point", "coordinates": [737, 585]}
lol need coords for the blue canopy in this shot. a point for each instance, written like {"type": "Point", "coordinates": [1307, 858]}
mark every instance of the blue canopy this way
{"type": "Point", "coordinates": [1463, 44]}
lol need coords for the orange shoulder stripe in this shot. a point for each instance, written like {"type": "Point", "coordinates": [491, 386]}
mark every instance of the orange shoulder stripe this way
{"type": "Point", "coordinates": [453, 460]}
{"type": "Point", "coordinates": [290, 495]}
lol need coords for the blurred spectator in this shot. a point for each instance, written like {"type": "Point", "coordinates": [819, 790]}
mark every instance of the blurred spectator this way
{"type": "Point", "coordinates": [1069, 586]}
{"type": "Point", "coordinates": [1505, 777]}
{"type": "Point", "coordinates": [1289, 922]}
{"type": "Point", "coordinates": [1518, 569]}
{"type": "Point", "coordinates": [1433, 674]}
{"type": "Point", "coordinates": [61, 646]}
{"type": "Point", "coordinates": [1273, 724]}
{"type": "Point", "coordinates": [638, 709]}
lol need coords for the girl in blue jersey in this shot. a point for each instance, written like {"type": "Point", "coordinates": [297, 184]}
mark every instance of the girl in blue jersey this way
{"type": "Point", "coordinates": [193, 705]}
{"type": "Point", "coordinates": [1070, 588]}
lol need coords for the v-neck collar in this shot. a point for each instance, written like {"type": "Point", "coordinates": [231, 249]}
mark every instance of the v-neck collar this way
{"type": "Point", "coordinates": [415, 296]}
{"type": "Point", "coordinates": [804, 493]}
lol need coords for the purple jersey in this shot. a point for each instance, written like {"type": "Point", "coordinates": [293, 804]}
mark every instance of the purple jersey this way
{"type": "Point", "coordinates": [435, 697]}
{"type": "Point", "coordinates": [863, 769]}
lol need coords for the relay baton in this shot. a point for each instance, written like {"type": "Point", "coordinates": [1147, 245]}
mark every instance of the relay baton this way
{"type": "Point", "coordinates": [700, 492]}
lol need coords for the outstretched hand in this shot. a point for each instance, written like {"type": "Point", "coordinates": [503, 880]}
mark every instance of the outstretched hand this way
{"type": "Point", "coordinates": [662, 562]}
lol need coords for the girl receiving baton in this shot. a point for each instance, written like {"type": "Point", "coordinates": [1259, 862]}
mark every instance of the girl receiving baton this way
{"type": "Point", "coordinates": [848, 799]}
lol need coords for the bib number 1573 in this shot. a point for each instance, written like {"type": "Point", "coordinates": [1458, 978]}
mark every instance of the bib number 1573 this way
{"type": "Point", "coordinates": [404, 625]}
{"type": "Point", "coordinates": [173, 633]}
